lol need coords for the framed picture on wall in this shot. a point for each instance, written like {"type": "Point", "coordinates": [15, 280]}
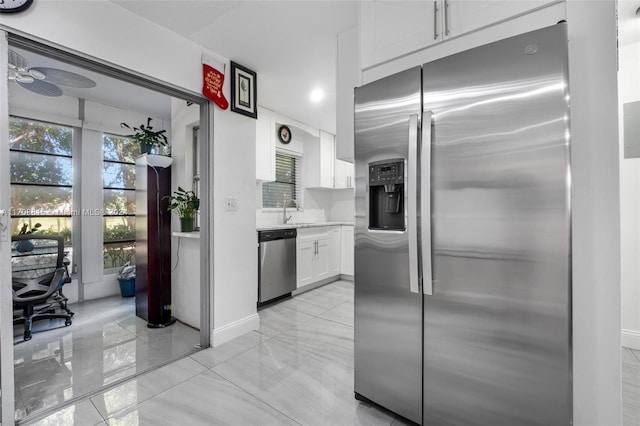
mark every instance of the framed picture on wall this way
{"type": "Point", "coordinates": [244, 96]}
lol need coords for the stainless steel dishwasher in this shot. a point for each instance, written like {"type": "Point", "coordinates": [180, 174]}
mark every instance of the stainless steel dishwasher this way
{"type": "Point", "coordinates": [276, 264]}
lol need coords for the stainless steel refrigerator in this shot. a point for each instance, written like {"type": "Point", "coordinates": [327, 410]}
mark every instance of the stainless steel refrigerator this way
{"type": "Point", "coordinates": [462, 237]}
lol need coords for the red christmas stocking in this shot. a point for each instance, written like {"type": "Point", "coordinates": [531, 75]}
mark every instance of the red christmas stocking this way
{"type": "Point", "coordinates": [213, 80]}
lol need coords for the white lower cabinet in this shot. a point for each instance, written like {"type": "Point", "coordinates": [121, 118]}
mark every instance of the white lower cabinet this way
{"type": "Point", "coordinates": [315, 252]}
{"type": "Point", "coordinates": [347, 250]}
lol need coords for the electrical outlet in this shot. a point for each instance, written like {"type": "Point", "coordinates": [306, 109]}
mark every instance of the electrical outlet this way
{"type": "Point", "coordinates": [4, 225]}
{"type": "Point", "coordinates": [231, 204]}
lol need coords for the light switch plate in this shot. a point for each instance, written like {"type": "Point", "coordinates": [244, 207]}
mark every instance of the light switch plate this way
{"type": "Point", "coordinates": [231, 204]}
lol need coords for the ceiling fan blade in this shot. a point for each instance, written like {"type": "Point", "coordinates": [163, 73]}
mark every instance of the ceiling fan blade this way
{"type": "Point", "coordinates": [17, 60]}
{"type": "Point", "coordinates": [65, 78]}
{"type": "Point", "coordinates": [42, 88]}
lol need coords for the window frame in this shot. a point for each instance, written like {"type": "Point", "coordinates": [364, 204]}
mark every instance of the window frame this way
{"type": "Point", "coordinates": [298, 184]}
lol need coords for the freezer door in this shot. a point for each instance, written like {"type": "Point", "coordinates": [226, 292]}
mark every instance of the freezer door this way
{"type": "Point", "coordinates": [388, 317]}
{"type": "Point", "coordinates": [497, 328]}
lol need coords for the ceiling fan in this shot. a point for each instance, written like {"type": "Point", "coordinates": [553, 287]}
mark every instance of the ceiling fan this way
{"type": "Point", "coordinates": [43, 80]}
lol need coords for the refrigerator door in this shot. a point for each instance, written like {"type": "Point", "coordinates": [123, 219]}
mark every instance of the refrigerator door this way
{"type": "Point", "coordinates": [497, 346]}
{"type": "Point", "coordinates": [388, 317]}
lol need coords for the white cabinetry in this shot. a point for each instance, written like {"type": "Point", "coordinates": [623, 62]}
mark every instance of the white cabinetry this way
{"type": "Point", "coordinates": [390, 29]}
{"type": "Point", "coordinates": [335, 250]}
{"type": "Point", "coordinates": [347, 250]}
{"type": "Point", "coordinates": [347, 78]}
{"type": "Point", "coordinates": [319, 162]}
{"type": "Point", "coordinates": [344, 174]}
{"type": "Point", "coordinates": [265, 146]}
{"type": "Point", "coordinates": [316, 259]}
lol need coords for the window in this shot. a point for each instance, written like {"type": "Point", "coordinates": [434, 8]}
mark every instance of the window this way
{"type": "Point", "coordinates": [119, 181]}
{"type": "Point", "coordinates": [41, 173]}
{"type": "Point", "coordinates": [286, 186]}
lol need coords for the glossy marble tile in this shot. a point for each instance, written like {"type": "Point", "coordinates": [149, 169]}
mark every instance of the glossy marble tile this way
{"type": "Point", "coordinates": [305, 386]}
{"type": "Point", "coordinates": [80, 414]}
{"type": "Point", "coordinates": [211, 357]}
{"type": "Point", "coordinates": [299, 305]}
{"type": "Point", "coordinates": [279, 318]}
{"type": "Point", "coordinates": [628, 356]}
{"type": "Point", "coordinates": [343, 313]}
{"type": "Point", "coordinates": [128, 395]}
{"type": "Point", "coordinates": [342, 290]}
{"type": "Point", "coordinates": [330, 339]}
{"type": "Point", "coordinates": [206, 399]}
{"type": "Point", "coordinates": [106, 343]}
{"type": "Point", "coordinates": [321, 300]}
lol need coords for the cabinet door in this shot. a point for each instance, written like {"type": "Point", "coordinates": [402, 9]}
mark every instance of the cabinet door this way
{"type": "Point", "coordinates": [327, 160]}
{"type": "Point", "coordinates": [390, 29]}
{"type": "Point", "coordinates": [340, 174]}
{"type": "Point", "coordinates": [463, 16]}
{"type": "Point", "coordinates": [305, 255]}
{"type": "Point", "coordinates": [322, 266]}
{"type": "Point", "coordinates": [347, 250]}
{"type": "Point", "coordinates": [336, 251]}
{"type": "Point", "coordinates": [265, 147]}
{"type": "Point", "coordinates": [349, 174]}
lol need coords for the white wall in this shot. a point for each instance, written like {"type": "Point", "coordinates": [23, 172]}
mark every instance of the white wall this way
{"type": "Point", "coordinates": [235, 243]}
{"type": "Point", "coordinates": [629, 91]}
{"type": "Point", "coordinates": [596, 209]}
{"type": "Point", "coordinates": [109, 33]}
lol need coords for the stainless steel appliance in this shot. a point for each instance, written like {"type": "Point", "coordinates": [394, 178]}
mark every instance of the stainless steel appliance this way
{"type": "Point", "coordinates": [276, 263]}
{"type": "Point", "coordinates": [462, 263]}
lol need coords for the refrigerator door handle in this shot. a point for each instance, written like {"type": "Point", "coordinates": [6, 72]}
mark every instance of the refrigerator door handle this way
{"type": "Point", "coordinates": [425, 203]}
{"type": "Point", "coordinates": [411, 195]}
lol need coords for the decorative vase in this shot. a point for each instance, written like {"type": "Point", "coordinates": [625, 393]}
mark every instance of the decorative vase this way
{"type": "Point", "coordinates": [146, 148]}
{"type": "Point", "coordinates": [187, 224]}
{"type": "Point", "coordinates": [25, 246]}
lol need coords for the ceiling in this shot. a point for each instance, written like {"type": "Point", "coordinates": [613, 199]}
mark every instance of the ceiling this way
{"type": "Point", "coordinates": [291, 45]}
{"type": "Point", "coordinates": [108, 90]}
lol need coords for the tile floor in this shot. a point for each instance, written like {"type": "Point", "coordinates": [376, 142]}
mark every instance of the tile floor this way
{"type": "Point", "coordinates": [105, 343]}
{"type": "Point", "coordinates": [296, 370]}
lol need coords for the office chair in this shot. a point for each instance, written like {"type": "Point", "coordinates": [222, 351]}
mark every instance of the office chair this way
{"type": "Point", "coordinates": [37, 279]}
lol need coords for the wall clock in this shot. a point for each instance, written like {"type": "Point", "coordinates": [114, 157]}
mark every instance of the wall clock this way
{"type": "Point", "coordinates": [12, 6]}
{"type": "Point", "coordinates": [284, 134]}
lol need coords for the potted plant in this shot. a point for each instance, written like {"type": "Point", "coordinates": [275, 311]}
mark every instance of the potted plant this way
{"type": "Point", "coordinates": [186, 203]}
{"type": "Point", "coordinates": [25, 246]}
{"type": "Point", "coordinates": [147, 137]}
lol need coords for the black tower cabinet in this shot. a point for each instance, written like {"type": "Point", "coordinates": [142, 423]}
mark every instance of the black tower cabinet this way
{"type": "Point", "coordinates": [153, 244]}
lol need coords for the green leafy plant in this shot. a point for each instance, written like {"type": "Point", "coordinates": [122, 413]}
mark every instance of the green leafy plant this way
{"type": "Point", "coordinates": [25, 228]}
{"type": "Point", "coordinates": [146, 136]}
{"type": "Point", "coordinates": [186, 203]}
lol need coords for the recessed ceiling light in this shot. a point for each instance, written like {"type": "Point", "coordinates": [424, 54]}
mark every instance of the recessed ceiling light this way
{"type": "Point", "coordinates": [317, 95]}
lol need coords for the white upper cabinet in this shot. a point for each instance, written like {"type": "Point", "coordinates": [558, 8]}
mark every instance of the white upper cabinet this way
{"type": "Point", "coordinates": [393, 28]}
{"type": "Point", "coordinates": [319, 162]}
{"type": "Point", "coordinates": [390, 29]}
{"type": "Point", "coordinates": [344, 174]}
{"type": "Point", "coordinates": [265, 146]}
{"type": "Point", "coordinates": [347, 78]}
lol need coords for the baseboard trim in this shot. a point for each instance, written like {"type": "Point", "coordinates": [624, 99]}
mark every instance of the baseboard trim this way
{"type": "Point", "coordinates": [346, 277]}
{"type": "Point", "coordinates": [631, 339]}
{"type": "Point", "coordinates": [235, 329]}
{"type": "Point", "coordinates": [315, 285]}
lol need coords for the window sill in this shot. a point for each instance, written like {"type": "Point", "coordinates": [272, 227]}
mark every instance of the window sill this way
{"type": "Point", "coordinates": [194, 235]}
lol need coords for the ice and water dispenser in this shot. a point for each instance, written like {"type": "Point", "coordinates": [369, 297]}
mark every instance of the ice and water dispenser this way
{"type": "Point", "coordinates": [386, 195]}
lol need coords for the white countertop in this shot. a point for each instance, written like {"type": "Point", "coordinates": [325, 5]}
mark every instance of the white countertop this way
{"type": "Point", "coordinates": [302, 225]}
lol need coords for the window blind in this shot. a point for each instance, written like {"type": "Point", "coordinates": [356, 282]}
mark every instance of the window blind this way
{"type": "Point", "coordinates": [287, 186]}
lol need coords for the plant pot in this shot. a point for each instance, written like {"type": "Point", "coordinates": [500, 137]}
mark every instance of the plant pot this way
{"type": "Point", "coordinates": [146, 148]}
{"type": "Point", "coordinates": [187, 224]}
{"type": "Point", "coordinates": [25, 246]}
{"type": "Point", "coordinates": [127, 287]}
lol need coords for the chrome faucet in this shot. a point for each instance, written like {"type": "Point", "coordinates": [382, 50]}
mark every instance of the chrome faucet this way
{"type": "Point", "coordinates": [286, 219]}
